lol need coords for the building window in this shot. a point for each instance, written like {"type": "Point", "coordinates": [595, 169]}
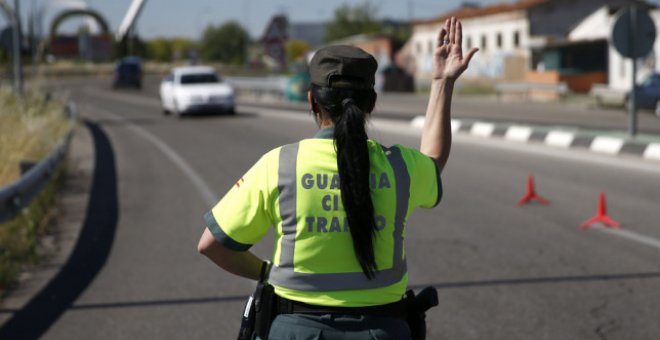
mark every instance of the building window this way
{"type": "Point", "coordinates": [499, 40]}
{"type": "Point", "coordinates": [468, 43]}
{"type": "Point", "coordinates": [418, 47]}
{"type": "Point", "coordinates": [516, 39]}
{"type": "Point", "coordinates": [483, 42]}
{"type": "Point", "coordinates": [431, 47]}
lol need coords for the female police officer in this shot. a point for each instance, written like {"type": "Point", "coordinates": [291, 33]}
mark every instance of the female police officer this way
{"type": "Point", "coordinates": [339, 202]}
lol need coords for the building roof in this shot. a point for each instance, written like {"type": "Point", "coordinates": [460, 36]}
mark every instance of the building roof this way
{"type": "Point", "coordinates": [465, 12]}
{"type": "Point", "coordinates": [276, 30]}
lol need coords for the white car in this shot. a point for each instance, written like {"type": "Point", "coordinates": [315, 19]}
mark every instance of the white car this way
{"type": "Point", "coordinates": [195, 89]}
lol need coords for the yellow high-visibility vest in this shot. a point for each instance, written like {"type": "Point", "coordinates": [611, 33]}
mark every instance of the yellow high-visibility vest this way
{"type": "Point", "coordinates": [295, 188]}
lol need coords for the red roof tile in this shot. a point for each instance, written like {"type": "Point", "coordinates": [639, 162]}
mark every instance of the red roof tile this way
{"type": "Point", "coordinates": [472, 12]}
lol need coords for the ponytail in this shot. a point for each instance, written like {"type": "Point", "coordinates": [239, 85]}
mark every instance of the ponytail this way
{"type": "Point", "coordinates": [353, 166]}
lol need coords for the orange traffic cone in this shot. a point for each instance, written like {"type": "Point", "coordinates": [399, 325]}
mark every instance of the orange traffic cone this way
{"type": "Point", "coordinates": [531, 194]}
{"type": "Point", "coordinates": [601, 216]}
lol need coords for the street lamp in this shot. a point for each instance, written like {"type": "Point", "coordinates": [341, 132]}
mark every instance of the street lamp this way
{"type": "Point", "coordinates": [18, 67]}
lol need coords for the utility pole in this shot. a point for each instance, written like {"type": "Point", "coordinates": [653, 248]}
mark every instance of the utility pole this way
{"type": "Point", "coordinates": [16, 32]}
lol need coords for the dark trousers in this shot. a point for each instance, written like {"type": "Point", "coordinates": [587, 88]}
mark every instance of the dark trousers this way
{"type": "Point", "coordinates": [336, 326]}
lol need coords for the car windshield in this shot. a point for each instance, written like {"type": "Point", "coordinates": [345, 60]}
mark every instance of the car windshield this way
{"type": "Point", "coordinates": [653, 80]}
{"type": "Point", "coordinates": [199, 78]}
{"type": "Point", "coordinates": [129, 68]}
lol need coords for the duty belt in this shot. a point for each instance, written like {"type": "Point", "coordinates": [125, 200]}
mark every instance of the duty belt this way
{"type": "Point", "coordinates": [394, 309]}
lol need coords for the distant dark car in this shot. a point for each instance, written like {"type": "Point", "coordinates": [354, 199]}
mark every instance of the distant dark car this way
{"type": "Point", "coordinates": [648, 93]}
{"type": "Point", "coordinates": [128, 72]}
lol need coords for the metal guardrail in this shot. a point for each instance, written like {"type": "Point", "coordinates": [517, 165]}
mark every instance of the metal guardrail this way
{"type": "Point", "coordinates": [18, 195]}
{"type": "Point", "coordinates": [274, 85]}
{"type": "Point", "coordinates": [526, 88]}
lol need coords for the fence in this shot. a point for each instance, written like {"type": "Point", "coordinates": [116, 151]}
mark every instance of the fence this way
{"type": "Point", "coordinates": [18, 195]}
{"type": "Point", "coordinates": [274, 86]}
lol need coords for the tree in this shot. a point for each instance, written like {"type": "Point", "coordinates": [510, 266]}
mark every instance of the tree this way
{"type": "Point", "coordinates": [226, 43]}
{"type": "Point", "coordinates": [351, 20]}
{"type": "Point", "coordinates": [162, 49]}
{"type": "Point", "coordinates": [296, 49]}
{"type": "Point", "coordinates": [159, 50]}
{"type": "Point", "coordinates": [181, 47]}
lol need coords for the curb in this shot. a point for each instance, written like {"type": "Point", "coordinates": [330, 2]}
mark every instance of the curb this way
{"type": "Point", "coordinates": [566, 138]}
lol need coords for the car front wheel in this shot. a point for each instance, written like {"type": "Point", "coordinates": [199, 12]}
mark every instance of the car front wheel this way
{"type": "Point", "coordinates": [176, 111]}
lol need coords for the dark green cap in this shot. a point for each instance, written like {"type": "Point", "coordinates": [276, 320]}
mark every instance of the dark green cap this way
{"type": "Point", "coordinates": [342, 66]}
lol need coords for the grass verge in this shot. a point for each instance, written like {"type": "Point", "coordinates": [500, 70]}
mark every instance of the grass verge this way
{"type": "Point", "coordinates": [30, 128]}
{"type": "Point", "coordinates": [20, 237]}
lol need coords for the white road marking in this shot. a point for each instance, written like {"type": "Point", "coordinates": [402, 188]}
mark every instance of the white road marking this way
{"type": "Point", "coordinates": [455, 125]}
{"type": "Point", "coordinates": [649, 241]}
{"type": "Point", "coordinates": [560, 139]}
{"type": "Point", "coordinates": [606, 145]}
{"type": "Point", "coordinates": [652, 151]}
{"type": "Point", "coordinates": [482, 129]}
{"type": "Point", "coordinates": [198, 182]}
{"type": "Point", "coordinates": [418, 122]}
{"type": "Point", "coordinates": [517, 133]}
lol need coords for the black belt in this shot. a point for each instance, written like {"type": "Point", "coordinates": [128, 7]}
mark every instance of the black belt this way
{"type": "Point", "coordinates": [394, 309]}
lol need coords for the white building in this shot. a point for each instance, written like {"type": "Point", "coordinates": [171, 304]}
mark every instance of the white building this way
{"type": "Point", "coordinates": [528, 40]}
{"type": "Point", "coordinates": [501, 32]}
{"type": "Point", "coordinates": [598, 27]}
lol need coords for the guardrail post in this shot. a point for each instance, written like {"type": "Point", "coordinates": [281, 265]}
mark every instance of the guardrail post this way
{"type": "Point", "coordinates": [26, 166]}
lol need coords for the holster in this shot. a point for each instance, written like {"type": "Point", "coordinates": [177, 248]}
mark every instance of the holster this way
{"type": "Point", "coordinates": [259, 310]}
{"type": "Point", "coordinates": [264, 305]}
{"type": "Point", "coordinates": [416, 307]}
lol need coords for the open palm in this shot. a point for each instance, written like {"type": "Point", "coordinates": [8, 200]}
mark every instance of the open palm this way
{"type": "Point", "coordinates": [448, 59]}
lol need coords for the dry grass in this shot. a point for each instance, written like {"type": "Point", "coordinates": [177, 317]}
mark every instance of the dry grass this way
{"type": "Point", "coordinates": [30, 127]}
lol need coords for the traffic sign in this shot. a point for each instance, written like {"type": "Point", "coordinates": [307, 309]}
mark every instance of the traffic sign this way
{"type": "Point", "coordinates": [634, 33]}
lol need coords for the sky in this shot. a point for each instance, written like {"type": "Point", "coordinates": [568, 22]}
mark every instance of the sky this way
{"type": "Point", "coordinates": [188, 18]}
{"type": "Point", "coordinates": [177, 18]}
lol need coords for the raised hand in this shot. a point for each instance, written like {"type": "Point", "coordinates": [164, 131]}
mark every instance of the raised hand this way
{"type": "Point", "coordinates": [448, 59]}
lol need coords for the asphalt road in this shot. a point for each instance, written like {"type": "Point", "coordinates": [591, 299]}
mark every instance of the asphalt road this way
{"type": "Point", "coordinates": [502, 271]}
{"type": "Point", "coordinates": [574, 114]}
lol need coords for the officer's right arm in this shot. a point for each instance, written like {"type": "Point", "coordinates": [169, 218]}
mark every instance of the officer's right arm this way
{"type": "Point", "coordinates": [241, 263]}
{"type": "Point", "coordinates": [237, 222]}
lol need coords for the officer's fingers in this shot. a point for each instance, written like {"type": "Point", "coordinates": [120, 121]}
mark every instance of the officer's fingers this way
{"type": "Point", "coordinates": [469, 56]}
{"type": "Point", "coordinates": [452, 29]}
{"type": "Point", "coordinates": [459, 33]}
{"type": "Point", "coordinates": [447, 23]}
{"type": "Point", "coordinates": [442, 36]}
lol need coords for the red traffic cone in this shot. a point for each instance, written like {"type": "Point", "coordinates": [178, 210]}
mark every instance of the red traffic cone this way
{"type": "Point", "coordinates": [601, 216]}
{"type": "Point", "coordinates": [531, 194]}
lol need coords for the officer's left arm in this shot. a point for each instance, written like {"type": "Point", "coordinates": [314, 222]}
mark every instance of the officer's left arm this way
{"type": "Point", "coordinates": [425, 181]}
{"type": "Point", "coordinates": [449, 62]}
{"type": "Point", "coordinates": [241, 263]}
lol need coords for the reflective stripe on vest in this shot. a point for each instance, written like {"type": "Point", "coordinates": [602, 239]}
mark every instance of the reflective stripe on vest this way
{"type": "Point", "coordinates": [284, 274]}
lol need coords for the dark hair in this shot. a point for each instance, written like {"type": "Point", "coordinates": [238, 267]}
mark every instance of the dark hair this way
{"type": "Point", "coordinates": [346, 108]}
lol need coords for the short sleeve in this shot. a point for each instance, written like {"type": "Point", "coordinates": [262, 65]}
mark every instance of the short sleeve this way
{"type": "Point", "coordinates": [425, 181]}
{"type": "Point", "coordinates": [241, 218]}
